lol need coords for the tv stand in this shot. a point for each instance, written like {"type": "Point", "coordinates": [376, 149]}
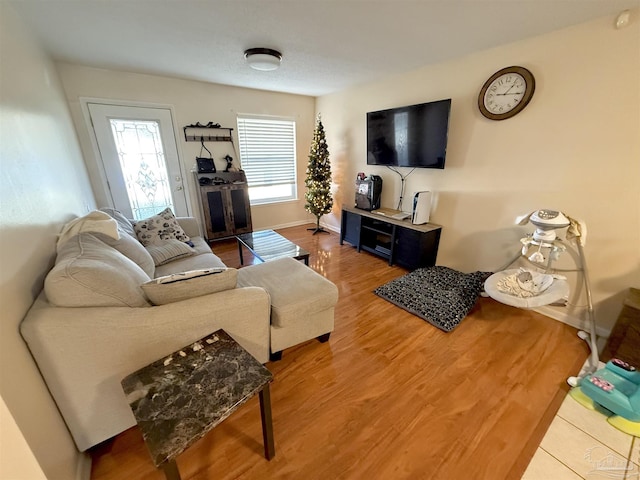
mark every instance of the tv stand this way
{"type": "Point", "coordinates": [397, 241]}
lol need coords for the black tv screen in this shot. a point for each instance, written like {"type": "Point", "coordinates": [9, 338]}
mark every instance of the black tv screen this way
{"type": "Point", "coordinates": [411, 136]}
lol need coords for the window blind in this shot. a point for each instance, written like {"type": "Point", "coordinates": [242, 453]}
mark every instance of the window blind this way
{"type": "Point", "coordinates": [267, 151]}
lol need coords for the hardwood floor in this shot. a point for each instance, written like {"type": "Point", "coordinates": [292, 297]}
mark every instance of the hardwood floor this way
{"type": "Point", "coordinates": [389, 396]}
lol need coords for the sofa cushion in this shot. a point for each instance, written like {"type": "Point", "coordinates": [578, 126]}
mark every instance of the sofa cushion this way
{"type": "Point", "coordinates": [185, 285]}
{"type": "Point", "coordinates": [90, 273]}
{"type": "Point", "coordinates": [169, 251]}
{"type": "Point", "coordinates": [159, 228]}
{"type": "Point", "coordinates": [131, 248]}
{"type": "Point", "coordinates": [93, 222]}
{"type": "Point", "coordinates": [204, 258]}
{"type": "Point", "coordinates": [123, 222]}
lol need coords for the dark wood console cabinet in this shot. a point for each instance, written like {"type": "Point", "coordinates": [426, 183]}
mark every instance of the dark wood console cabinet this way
{"type": "Point", "coordinates": [225, 207]}
{"type": "Point", "coordinates": [224, 195]}
{"type": "Point", "coordinates": [397, 241]}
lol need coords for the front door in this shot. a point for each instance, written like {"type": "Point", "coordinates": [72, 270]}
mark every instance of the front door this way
{"type": "Point", "coordinates": [140, 158]}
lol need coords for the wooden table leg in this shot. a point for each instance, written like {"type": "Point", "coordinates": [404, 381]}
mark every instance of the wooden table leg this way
{"type": "Point", "coordinates": [267, 426]}
{"type": "Point", "coordinates": [170, 470]}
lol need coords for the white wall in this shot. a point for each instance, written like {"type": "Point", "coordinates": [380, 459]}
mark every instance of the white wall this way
{"type": "Point", "coordinates": [194, 102]}
{"type": "Point", "coordinates": [576, 147]}
{"type": "Point", "coordinates": [43, 184]}
{"type": "Point", "coordinates": [18, 460]}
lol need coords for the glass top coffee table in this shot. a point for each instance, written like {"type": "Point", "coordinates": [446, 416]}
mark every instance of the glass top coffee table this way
{"type": "Point", "coordinates": [267, 245]}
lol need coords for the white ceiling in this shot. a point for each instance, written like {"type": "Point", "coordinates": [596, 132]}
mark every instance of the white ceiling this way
{"type": "Point", "coordinates": [327, 45]}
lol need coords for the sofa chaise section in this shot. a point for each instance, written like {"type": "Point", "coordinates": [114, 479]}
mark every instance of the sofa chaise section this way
{"type": "Point", "coordinates": [84, 353]}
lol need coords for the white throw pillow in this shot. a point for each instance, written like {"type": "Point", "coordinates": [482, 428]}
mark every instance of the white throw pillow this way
{"type": "Point", "coordinates": [159, 228]}
{"type": "Point", "coordinates": [194, 283]}
{"type": "Point", "coordinates": [169, 250]}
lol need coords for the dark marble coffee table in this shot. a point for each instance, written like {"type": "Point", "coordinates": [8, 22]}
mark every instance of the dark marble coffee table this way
{"type": "Point", "coordinates": [268, 245]}
{"type": "Point", "coordinates": [178, 399]}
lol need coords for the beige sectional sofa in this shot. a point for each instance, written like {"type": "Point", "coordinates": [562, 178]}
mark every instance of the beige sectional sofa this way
{"type": "Point", "coordinates": [93, 325]}
{"type": "Point", "coordinates": [103, 315]}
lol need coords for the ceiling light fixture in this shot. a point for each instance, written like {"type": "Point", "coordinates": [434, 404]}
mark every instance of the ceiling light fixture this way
{"type": "Point", "coordinates": [264, 59]}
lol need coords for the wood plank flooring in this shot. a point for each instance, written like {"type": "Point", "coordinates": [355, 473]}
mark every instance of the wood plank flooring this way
{"type": "Point", "coordinates": [389, 396]}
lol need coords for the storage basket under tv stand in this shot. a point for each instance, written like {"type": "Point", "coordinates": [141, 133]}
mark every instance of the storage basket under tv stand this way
{"type": "Point", "coordinates": [397, 241]}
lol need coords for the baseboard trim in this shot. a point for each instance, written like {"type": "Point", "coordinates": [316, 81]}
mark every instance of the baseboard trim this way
{"type": "Point", "coordinates": [330, 227]}
{"type": "Point", "coordinates": [302, 222]}
{"type": "Point", "coordinates": [572, 320]}
{"type": "Point", "coordinates": [286, 225]}
{"type": "Point", "coordinates": [83, 467]}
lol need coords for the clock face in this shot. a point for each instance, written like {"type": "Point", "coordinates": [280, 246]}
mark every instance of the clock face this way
{"type": "Point", "coordinates": [506, 93]}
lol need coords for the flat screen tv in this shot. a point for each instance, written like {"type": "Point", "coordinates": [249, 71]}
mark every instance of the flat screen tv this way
{"type": "Point", "coordinates": [411, 136]}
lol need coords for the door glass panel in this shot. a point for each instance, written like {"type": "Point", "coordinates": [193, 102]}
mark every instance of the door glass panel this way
{"type": "Point", "coordinates": [142, 161]}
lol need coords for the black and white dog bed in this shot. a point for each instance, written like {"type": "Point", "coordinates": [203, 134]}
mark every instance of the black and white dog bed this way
{"type": "Point", "coordinates": [440, 295]}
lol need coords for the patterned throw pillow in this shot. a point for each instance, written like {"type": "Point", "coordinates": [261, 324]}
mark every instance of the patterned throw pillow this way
{"type": "Point", "coordinates": [157, 229]}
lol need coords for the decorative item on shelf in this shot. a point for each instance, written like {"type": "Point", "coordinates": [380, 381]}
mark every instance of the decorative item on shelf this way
{"type": "Point", "coordinates": [506, 93]}
{"type": "Point", "coordinates": [318, 181]}
{"type": "Point", "coordinates": [230, 167]}
{"type": "Point", "coordinates": [200, 125]}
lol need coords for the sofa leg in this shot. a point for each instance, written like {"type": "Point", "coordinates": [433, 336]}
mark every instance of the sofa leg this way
{"type": "Point", "coordinates": [324, 338]}
{"type": "Point", "coordinates": [275, 356]}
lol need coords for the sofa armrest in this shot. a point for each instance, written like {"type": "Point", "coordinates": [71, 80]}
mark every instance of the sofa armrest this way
{"type": "Point", "coordinates": [84, 353]}
{"type": "Point", "coordinates": [190, 226]}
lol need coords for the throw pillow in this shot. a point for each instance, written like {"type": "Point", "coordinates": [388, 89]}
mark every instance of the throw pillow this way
{"type": "Point", "coordinates": [194, 283]}
{"type": "Point", "coordinates": [168, 251]}
{"type": "Point", "coordinates": [123, 222]}
{"type": "Point", "coordinates": [159, 228]}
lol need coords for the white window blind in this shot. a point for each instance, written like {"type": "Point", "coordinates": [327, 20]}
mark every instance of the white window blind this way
{"type": "Point", "coordinates": [268, 157]}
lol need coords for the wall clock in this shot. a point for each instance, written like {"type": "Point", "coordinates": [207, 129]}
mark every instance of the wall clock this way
{"type": "Point", "coordinates": [506, 93]}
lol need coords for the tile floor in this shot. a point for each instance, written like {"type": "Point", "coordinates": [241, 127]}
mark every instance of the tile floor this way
{"type": "Point", "coordinates": [580, 444]}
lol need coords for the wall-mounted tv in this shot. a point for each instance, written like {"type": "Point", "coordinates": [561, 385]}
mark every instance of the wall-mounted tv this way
{"type": "Point", "coordinates": [411, 136]}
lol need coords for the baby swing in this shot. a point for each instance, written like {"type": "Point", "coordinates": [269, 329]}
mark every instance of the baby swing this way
{"type": "Point", "coordinates": [616, 387]}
